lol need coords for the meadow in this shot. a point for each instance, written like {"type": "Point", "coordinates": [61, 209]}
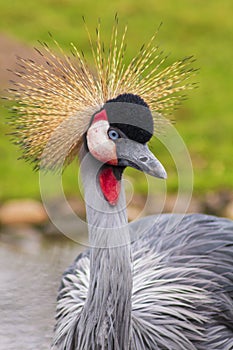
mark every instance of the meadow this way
{"type": "Point", "coordinates": [203, 29]}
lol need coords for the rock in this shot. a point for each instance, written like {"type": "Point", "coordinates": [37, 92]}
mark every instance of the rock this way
{"type": "Point", "coordinates": [24, 211]}
{"type": "Point", "coordinates": [134, 213]}
{"type": "Point", "coordinates": [228, 212]}
{"type": "Point", "coordinates": [216, 202]}
{"type": "Point", "coordinates": [182, 204]}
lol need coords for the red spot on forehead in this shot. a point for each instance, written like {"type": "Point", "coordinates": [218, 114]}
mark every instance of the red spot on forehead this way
{"type": "Point", "coordinates": [109, 185]}
{"type": "Point", "coordinates": [102, 115]}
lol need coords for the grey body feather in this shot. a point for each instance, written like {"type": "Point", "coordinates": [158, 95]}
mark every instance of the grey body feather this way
{"type": "Point", "coordinates": [182, 292]}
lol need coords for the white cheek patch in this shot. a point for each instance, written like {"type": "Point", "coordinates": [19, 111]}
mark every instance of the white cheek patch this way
{"type": "Point", "coordinates": [99, 144]}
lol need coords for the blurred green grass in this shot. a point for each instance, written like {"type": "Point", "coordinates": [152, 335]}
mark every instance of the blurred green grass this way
{"type": "Point", "coordinates": [200, 28]}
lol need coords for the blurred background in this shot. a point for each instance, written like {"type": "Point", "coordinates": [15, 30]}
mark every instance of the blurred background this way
{"type": "Point", "coordinates": [204, 121]}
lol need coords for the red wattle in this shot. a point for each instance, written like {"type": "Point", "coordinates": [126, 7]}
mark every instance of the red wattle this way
{"type": "Point", "coordinates": [109, 185]}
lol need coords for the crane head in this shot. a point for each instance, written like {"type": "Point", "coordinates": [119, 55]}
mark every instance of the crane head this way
{"type": "Point", "coordinates": [117, 137]}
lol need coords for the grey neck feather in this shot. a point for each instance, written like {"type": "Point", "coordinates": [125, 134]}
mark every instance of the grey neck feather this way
{"type": "Point", "coordinates": [106, 316]}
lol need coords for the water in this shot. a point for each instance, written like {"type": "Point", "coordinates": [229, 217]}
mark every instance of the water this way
{"type": "Point", "coordinates": [29, 279]}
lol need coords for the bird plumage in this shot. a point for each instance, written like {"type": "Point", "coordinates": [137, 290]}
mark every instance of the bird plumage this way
{"type": "Point", "coordinates": [182, 296]}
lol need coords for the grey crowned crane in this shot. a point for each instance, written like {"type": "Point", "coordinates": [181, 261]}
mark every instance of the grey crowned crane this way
{"type": "Point", "coordinates": [166, 289]}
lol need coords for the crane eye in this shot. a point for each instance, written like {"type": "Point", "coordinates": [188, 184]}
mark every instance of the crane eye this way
{"type": "Point", "coordinates": [113, 134]}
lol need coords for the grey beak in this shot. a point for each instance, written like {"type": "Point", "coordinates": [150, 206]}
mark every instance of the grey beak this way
{"type": "Point", "coordinates": [138, 156]}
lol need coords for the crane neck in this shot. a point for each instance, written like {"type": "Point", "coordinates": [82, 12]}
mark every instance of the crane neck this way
{"type": "Point", "coordinates": [109, 296]}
